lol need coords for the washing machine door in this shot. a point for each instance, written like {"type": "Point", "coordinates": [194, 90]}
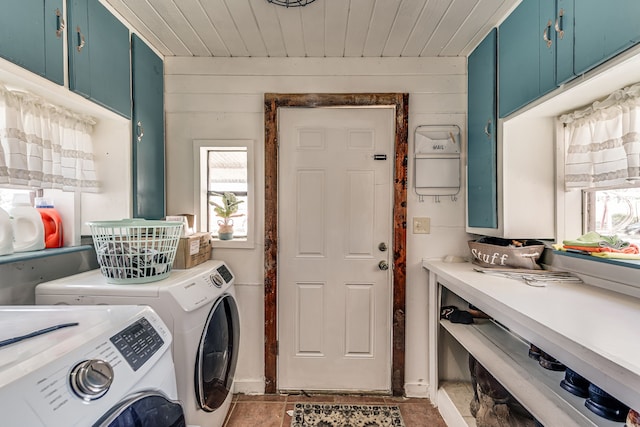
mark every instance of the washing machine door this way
{"type": "Point", "coordinates": [217, 354]}
{"type": "Point", "coordinates": [144, 409]}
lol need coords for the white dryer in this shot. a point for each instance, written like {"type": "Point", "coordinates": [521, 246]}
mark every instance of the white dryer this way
{"type": "Point", "coordinates": [86, 366]}
{"type": "Point", "coordinates": [199, 307]}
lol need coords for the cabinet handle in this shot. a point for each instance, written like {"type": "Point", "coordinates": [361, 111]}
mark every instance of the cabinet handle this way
{"type": "Point", "coordinates": [487, 129]}
{"type": "Point", "coordinates": [547, 32]}
{"type": "Point", "coordinates": [560, 24]}
{"type": "Point", "coordinates": [59, 23]}
{"type": "Point", "coordinates": [139, 131]}
{"type": "Point", "coordinates": [80, 39]}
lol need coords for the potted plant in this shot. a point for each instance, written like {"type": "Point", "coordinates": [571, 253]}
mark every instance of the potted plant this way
{"type": "Point", "coordinates": [226, 210]}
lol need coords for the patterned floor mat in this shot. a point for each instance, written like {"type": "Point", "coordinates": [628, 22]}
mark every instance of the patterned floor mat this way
{"type": "Point", "coordinates": [334, 415]}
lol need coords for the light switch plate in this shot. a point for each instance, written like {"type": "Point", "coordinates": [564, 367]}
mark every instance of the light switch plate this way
{"type": "Point", "coordinates": [421, 225]}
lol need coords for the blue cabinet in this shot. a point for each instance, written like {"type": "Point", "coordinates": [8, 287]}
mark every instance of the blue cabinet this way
{"type": "Point", "coordinates": [99, 62]}
{"type": "Point", "coordinates": [565, 40]}
{"type": "Point", "coordinates": [526, 54]}
{"type": "Point", "coordinates": [481, 141]}
{"type": "Point", "coordinates": [148, 132]}
{"type": "Point", "coordinates": [31, 35]}
{"type": "Point", "coordinates": [545, 43]}
{"type": "Point", "coordinates": [604, 29]}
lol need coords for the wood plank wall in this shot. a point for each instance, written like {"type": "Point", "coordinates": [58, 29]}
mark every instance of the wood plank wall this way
{"type": "Point", "coordinates": [223, 98]}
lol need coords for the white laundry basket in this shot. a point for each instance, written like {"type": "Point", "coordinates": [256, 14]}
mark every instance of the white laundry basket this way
{"type": "Point", "coordinates": [135, 250]}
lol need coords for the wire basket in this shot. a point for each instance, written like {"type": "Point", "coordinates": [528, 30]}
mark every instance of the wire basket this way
{"type": "Point", "coordinates": [135, 250]}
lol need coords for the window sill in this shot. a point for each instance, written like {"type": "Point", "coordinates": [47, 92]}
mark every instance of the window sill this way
{"type": "Point", "coordinates": [614, 274]}
{"type": "Point", "coordinates": [27, 256]}
{"type": "Point", "coordinates": [236, 243]}
{"type": "Point", "coordinates": [620, 262]}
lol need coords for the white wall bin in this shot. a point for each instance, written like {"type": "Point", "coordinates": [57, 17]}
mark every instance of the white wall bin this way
{"type": "Point", "coordinates": [437, 160]}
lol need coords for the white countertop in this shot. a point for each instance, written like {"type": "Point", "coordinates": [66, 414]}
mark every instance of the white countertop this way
{"type": "Point", "coordinates": [594, 331]}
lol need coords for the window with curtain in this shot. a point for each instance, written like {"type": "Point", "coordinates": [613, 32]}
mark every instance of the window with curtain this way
{"type": "Point", "coordinates": [43, 145]}
{"type": "Point", "coordinates": [603, 147]}
{"type": "Point", "coordinates": [602, 158]}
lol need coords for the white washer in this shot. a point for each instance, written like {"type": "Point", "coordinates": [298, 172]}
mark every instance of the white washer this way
{"type": "Point", "coordinates": [199, 307]}
{"type": "Point", "coordinates": [86, 366]}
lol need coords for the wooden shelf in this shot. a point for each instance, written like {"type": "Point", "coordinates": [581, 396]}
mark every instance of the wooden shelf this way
{"type": "Point", "coordinates": [536, 388]}
{"type": "Point", "coordinates": [590, 329]}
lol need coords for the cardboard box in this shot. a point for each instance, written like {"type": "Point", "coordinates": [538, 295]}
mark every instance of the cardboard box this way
{"type": "Point", "coordinates": [192, 250]}
{"type": "Point", "coordinates": [190, 225]}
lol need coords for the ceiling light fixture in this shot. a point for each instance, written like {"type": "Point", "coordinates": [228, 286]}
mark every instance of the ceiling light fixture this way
{"type": "Point", "coordinates": [291, 3]}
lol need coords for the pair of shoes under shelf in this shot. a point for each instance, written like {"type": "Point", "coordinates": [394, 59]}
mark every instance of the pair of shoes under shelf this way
{"type": "Point", "coordinates": [545, 360]}
{"type": "Point", "coordinates": [575, 383]}
{"type": "Point", "coordinates": [455, 315]}
{"type": "Point", "coordinates": [603, 404]}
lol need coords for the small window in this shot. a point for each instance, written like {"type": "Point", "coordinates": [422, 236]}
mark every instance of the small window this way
{"type": "Point", "coordinates": [614, 212]}
{"type": "Point", "coordinates": [225, 167]}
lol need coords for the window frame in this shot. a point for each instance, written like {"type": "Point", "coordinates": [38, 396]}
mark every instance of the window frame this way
{"type": "Point", "coordinates": [200, 149]}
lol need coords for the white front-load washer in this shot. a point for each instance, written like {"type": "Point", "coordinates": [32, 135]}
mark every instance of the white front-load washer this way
{"type": "Point", "coordinates": [86, 366]}
{"type": "Point", "coordinates": [199, 307]}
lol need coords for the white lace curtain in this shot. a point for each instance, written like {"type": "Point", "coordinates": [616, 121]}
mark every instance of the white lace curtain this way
{"type": "Point", "coordinates": [604, 142]}
{"type": "Point", "coordinates": [44, 146]}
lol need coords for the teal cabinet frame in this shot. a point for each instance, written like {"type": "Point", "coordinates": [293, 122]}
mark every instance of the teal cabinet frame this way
{"type": "Point", "coordinates": [482, 196]}
{"type": "Point", "coordinates": [99, 56]}
{"type": "Point", "coordinates": [526, 55]}
{"type": "Point", "coordinates": [604, 29]}
{"type": "Point", "coordinates": [31, 36]}
{"type": "Point", "coordinates": [148, 154]}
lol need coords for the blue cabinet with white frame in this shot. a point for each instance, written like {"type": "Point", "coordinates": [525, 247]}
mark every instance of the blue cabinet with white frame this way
{"type": "Point", "coordinates": [99, 56]}
{"type": "Point", "coordinates": [482, 142]}
{"type": "Point", "coordinates": [31, 35]}
{"type": "Point", "coordinates": [526, 54]}
{"type": "Point", "coordinates": [604, 29]}
{"type": "Point", "coordinates": [148, 155]}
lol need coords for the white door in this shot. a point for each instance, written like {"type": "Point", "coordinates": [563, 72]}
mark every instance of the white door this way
{"type": "Point", "coordinates": [334, 220]}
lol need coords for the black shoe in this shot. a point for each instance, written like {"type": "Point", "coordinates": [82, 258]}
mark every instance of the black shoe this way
{"type": "Point", "coordinates": [602, 403]}
{"type": "Point", "coordinates": [575, 384]}
{"type": "Point", "coordinates": [452, 314]}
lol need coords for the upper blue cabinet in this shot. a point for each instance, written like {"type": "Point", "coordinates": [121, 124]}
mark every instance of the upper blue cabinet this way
{"type": "Point", "coordinates": [31, 35]}
{"type": "Point", "coordinates": [482, 196]}
{"type": "Point", "coordinates": [148, 132]}
{"type": "Point", "coordinates": [604, 29]}
{"type": "Point", "coordinates": [526, 54]}
{"type": "Point", "coordinates": [99, 60]}
{"type": "Point", "coordinates": [545, 43]}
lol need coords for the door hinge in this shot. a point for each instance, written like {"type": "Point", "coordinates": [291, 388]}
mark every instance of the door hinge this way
{"type": "Point", "coordinates": [277, 348]}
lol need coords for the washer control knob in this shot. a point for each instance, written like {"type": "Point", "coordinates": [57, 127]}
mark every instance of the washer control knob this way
{"type": "Point", "coordinates": [217, 280]}
{"type": "Point", "coordinates": [91, 379]}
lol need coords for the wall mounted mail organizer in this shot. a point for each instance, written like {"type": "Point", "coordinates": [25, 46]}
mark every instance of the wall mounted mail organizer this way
{"type": "Point", "coordinates": [437, 160]}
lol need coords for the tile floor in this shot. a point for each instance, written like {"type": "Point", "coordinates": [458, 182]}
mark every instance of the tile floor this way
{"type": "Point", "coordinates": [270, 410]}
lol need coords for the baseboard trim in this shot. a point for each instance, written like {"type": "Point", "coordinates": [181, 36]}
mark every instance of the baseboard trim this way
{"type": "Point", "coordinates": [416, 390]}
{"type": "Point", "coordinates": [248, 386]}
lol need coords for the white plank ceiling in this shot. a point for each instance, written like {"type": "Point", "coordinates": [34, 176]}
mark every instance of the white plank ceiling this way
{"type": "Point", "coordinates": [324, 28]}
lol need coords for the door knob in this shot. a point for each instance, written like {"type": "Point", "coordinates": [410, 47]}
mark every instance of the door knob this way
{"type": "Point", "coordinates": [382, 247]}
{"type": "Point", "coordinates": [382, 265]}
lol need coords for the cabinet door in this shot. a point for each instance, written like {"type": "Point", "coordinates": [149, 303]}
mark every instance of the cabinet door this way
{"type": "Point", "coordinates": [110, 63]}
{"type": "Point", "coordinates": [564, 29]}
{"type": "Point", "coordinates": [79, 47]}
{"type": "Point", "coordinates": [603, 29]}
{"type": "Point", "coordinates": [29, 36]}
{"type": "Point", "coordinates": [54, 40]}
{"type": "Point", "coordinates": [99, 62]}
{"type": "Point", "coordinates": [526, 54]}
{"type": "Point", "coordinates": [481, 127]}
{"type": "Point", "coordinates": [148, 132]}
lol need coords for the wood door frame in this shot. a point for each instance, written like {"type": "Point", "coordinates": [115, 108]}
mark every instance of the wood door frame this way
{"type": "Point", "coordinates": [273, 101]}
